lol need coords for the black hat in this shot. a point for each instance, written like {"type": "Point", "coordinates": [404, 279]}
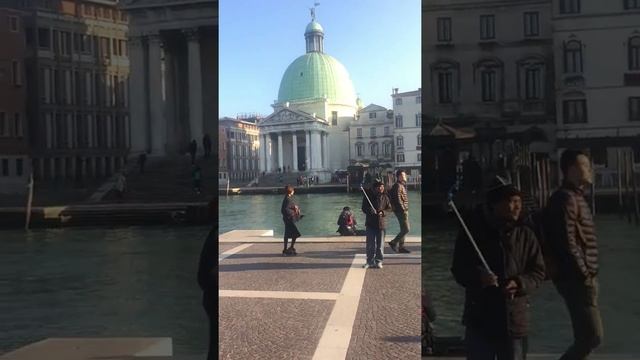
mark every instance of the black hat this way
{"type": "Point", "coordinates": [377, 183]}
{"type": "Point", "coordinates": [501, 189]}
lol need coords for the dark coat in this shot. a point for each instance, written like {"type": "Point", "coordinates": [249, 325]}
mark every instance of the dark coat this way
{"type": "Point", "coordinates": [208, 270]}
{"type": "Point", "coordinates": [290, 216]}
{"type": "Point", "coordinates": [399, 198]}
{"type": "Point", "coordinates": [381, 202]}
{"type": "Point", "coordinates": [571, 237]}
{"type": "Point", "coordinates": [515, 256]}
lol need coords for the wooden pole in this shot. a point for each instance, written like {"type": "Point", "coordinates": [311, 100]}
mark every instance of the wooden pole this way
{"type": "Point", "coordinates": [29, 202]}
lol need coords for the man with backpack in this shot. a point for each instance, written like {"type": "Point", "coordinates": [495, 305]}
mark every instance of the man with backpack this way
{"type": "Point", "coordinates": [572, 253]}
{"type": "Point", "coordinates": [400, 204]}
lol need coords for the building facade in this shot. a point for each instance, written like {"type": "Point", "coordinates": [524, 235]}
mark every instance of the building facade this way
{"type": "Point", "coordinates": [407, 131]}
{"type": "Point", "coordinates": [309, 128]}
{"type": "Point", "coordinates": [242, 145]}
{"type": "Point", "coordinates": [77, 72]}
{"type": "Point", "coordinates": [15, 164]}
{"type": "Point", "coordinates": [173, 52]}
{"type": "Point", "coordinates": [371, 137]}
{"type": "Point", "coordinates": [597, 52]}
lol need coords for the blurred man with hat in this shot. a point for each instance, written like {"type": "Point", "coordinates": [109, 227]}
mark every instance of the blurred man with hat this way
{"type": "Point", "coordinates": [376, 205]}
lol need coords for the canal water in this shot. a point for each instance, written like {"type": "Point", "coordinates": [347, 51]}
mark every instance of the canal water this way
{"type": "Point", "coordinates": [550, 332]}
{"type": "Point", "coordinates": [321, 212]}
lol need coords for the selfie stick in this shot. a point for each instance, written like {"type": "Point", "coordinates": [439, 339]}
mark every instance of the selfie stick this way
{"type": "Point", "coordinates": [475, 246]}
{"type": "Point", "coordinates": [365, 195]}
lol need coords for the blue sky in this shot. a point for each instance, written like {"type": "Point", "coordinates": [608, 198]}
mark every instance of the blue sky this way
{"type": "Point", "coordinates": [378, 41]}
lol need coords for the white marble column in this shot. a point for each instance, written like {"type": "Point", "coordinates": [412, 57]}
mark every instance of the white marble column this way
{"type": "Point", "coordinates": [323, 138]}
{"type": "Point", "coordinates": [261, 166]}
{"type": "Point", "coordinates": [316, 155]}
{"type": "Point", "coordinates": [109, 131]}
{"type": "Point", "coordinates": [137, 93]}
{"type": "Point", "coordinates": [158, 121]}
{"type": "Point", "coordinates": [69, 129]}
{"type": "Point", "coordinates": [269, 151]}
{"type": "Point", "coordinates": [170, 77]}
{"type": "Point", "coordinates": [195, 85]}
{"type": "Point", "coordinates": [295, 152]}
{"type": "Point", "coordinates": [280, 152]}
{"type": "Point", "coordinates": [307, 150]}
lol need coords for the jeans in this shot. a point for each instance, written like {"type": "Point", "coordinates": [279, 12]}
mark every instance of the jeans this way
{"type": "Point", "coordinates": [481, 347]}
{"type": "Point", "coordinates": [582, 301]}
{"type": "Point", "coordinates": [403, 219]}
{"type": "Point", "coordinates": [375, 238]}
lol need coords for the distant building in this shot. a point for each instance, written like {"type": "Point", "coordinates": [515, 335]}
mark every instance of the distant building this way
{"type": "Point", "coordinates": [407, 131]}
{"type": "Point", "coordinates": [242, 160]}
{"type": "Point", "coordinates": [371, 136]}
{"type": "Point", "coordinates": [77, 73]}
{"type": "Point", "coordinates": [15, 164]}
{"type": "Point", "coordinates": [597, 67]}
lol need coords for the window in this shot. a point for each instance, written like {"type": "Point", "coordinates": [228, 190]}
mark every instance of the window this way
{"type": "Point", "coordinates": [334, 118]}
{"type": "Point", "coordinates": [386, 131]}
{"type": "Point", "coordinates": [13, 23]}
{"type": "Point", "coordinates": [19, 167]}
{"type": "Point", "coordinates": [419, 140]}
{"type": "Point", "coordinates": [487, 27]}
{"type": "Point", "coordinates": [386, 149]}
{"type": "Point", "coordinates": [418, 120]}
{"type": "Point", "coordinates": [418, 99]}
{"type": "Point", "coordinates": [400, 142]}
{"type": "Point", "coordinates": [444, 29]}
{"type": "Point", "coordinates": [569, 6]}
{"type": "Point", "coordinates": [575, 111]}
{"type": "Point", "coordinates": [374, 149]}
{"type": "Point", "coordinates": [445, 86]}
{"type": "Point", "coordinates": [398, 121]}
{"type": "Point", "coordinates": [531, 24]}
{"type": "Point", "coordinates": [488, 80]}
{"type": "Point", "coordinates": [634, 53]}
{"type": "Point", "coordinates": [400, 158]}
{"type": "Point", "coordinates": [17, 125]}
{"type": "Point", "coordinates": [533, 81]}
{"type": "Point", "coordinates": [398, 101]}
{"type": "Point", "coordinates": [631, 4]}
{"type": "Point", "coordinates": [573, 57]}
{"type": "Point", "coordinates": [44, 38]}
{"type": "Point", "coordinates": [3, 124]}
{"type": "Point", "coordinates": [634, 109]}
{"type": "Point", "coordinates": [359, 132]}
{"type": "Point", "coordinates": [16, 73]}
{"type": "Point", "coordinates": [359, 149]}
{"type": "Point", "coordinates": [372, 132]}
{"type": "Point", "coordinates": [5, 167]}
{"type": "Point", "coordinates": [372, 115]}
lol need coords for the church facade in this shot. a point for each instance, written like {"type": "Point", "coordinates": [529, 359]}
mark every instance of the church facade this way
{"type": "Point", "coordinates": [309, 127]}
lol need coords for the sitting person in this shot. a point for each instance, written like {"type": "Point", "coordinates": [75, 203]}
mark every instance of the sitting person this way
{"type": "Point", "coordinates": [347, 222]}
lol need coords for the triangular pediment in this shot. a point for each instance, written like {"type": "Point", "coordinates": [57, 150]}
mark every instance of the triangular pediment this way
{"type": "Point", "coordinates": [288, 116]}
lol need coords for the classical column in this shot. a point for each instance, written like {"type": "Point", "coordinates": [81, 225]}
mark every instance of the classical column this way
{"type": "Point", "coordinates": [316, 155]}
{"type": "Point", "coordinates": [137, 93]}
{"type": "Point", "coordinates": [69, 129]}
{"type": "Point", "coordinates": [269, 151]}
{"type": "Point", "coordinates": [170, 76]}
{"type": "Point", "coordinates": [195, 85]}
{"type": "Point", "coordinates": [109, 131]}
{"type": "Point", "coordinates": [295, 152]}
{"type": "Point", "coordinates": [158, 121]}
{"type": "Point", "coordinates": [307, 150]}
{"type": "Point", "coordinates": [326, 150]}
{"type": "Point", "coordinates": [280, 152]}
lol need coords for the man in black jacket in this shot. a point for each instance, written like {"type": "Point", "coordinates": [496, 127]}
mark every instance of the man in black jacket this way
{"type": "Point", "coordinates": [375, 223]}
{"type": "Point", "coordinates": [400, 204]}
{"type": "Point", "coordinates": [572, 247]}
{"type": "Point", "coordinates": [495, 312]}
{"type": "Point", "coordinates": [208, 278]}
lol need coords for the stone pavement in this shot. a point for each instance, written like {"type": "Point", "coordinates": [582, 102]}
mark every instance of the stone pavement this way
{"type": "Point", "coordinates": [320, 304]}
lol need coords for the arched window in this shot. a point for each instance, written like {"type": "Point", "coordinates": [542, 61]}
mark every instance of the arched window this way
{"type": "Point", "coordinates": [359, 149]}
{"type": "Point", "coordinates": [445, 80]}
{"type": "Point", "coordinates": [489, 72]}
{"type": "Point", "coordinates": [634, 53]}
{"type": "Point", "coordinates": [420, 139]}
{"type": "Point", "coordinates": [573, 57]}
{"type": "Point", "coordinates": [374, 149]}
{"type": "Point", "coordinates": [400, 142]}
{"type": "Point", "coordinates": [531, 75]}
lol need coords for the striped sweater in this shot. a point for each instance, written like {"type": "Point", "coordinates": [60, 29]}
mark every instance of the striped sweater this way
{"type": "Point", "coordinates": [573, 239]}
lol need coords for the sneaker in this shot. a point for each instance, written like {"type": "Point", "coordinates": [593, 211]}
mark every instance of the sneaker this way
{"type": "Point", "coordinates": [404, 250]}
{"type": "Point", "coordinates": [293, 251]}
{"type": "Point", "coordinates": [393, 245]}
{"type": "Point", "coordinates": [366, 266]}
{"type": "Point", "coordinates": [378, 265]}
{"type": "Point", "coordinates": [285, 252]}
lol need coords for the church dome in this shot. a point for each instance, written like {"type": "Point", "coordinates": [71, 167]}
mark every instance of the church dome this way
{"type": "Point", "coordinates": [314, 26]}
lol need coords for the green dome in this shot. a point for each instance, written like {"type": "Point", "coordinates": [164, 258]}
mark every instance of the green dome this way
{"type": "Point", "coordinates": [316, 75]}
{"type": "Point", "coordinates": [314, 26]}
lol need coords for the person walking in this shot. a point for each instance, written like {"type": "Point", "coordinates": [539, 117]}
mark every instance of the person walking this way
{"type": "Point", "coordinates": [496, 299]}
{"type": "Point", "coordinates": [572, 250]}
{"type": "Point", "coordinates": [400, 204]}
{"type": "Point", "coordinates": [196, 176]}
{"type": "Point", "coordinates": [208, 278]}
{"type": "Point", "coordinates": [290, 215]}
{"type": "Point", "coordinates": [121, 185]}
{"type": "Point", "coordinates": [193, 149]}
{"type": "Point", "coordinates": [375, 205]}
